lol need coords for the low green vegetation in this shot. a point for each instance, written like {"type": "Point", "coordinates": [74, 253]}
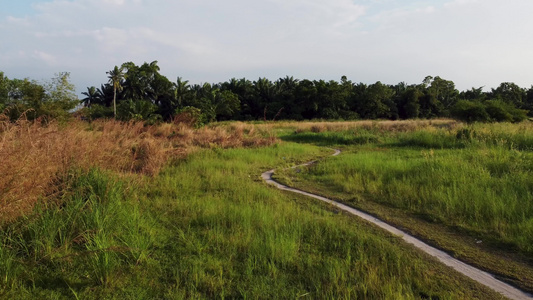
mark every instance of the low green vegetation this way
{"type": "Point", "coordinates": [470, 184]}
{"type": "Point", "coordinates": [207, 227]}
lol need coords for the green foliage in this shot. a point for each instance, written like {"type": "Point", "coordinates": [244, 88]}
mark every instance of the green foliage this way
{"type": "Point", "coordinates": [409, 106]}
{"type": "Point", "coordinates": [138, 111]}
{"type": "Point", "coordinates": [443, 91]}
{"type": "Point", "coordinates": [290, 98]}
{"type": "Point", "coordinates": [97, 111]}
{"type": "Point", "coordinates": [498, 111]}
{"type": "Point", "coordinates": [29, 99]}
{"type": "Point", "coordinates": [115, 77]}
{"type": "Point", "coordinates": [509, 93]}
{"type": "Point", "coordinates": [191, 116]}
{"type": "Point", "coordinates": [470, 111]}
{"type": "Point", "coordinates": [488, 111]}
{"type": "Point", "coordinates": [375, 102]}
{"type": "Point", "coordinates": [92, 96]}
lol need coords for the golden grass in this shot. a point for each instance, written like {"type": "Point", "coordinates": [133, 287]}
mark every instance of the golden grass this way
{"type": "Point", "coordinates": [386, 125]}
{"type": "Point", "coordinates": [34, 158]}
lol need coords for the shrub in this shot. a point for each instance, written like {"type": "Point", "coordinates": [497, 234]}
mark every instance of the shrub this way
{"type": "Point", "coordinates": [470, 111]}
{"type": "Point", "coordinates": [190, 116]}
{"type": "Point", "coordinates": [500, 111]}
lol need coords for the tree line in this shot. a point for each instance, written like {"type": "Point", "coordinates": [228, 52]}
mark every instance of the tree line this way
{"type": "Point", "coordinates": [142, 93]}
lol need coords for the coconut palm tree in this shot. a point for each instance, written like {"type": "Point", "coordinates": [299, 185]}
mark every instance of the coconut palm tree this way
{"type": "Point", "coordinates": [115, 78]}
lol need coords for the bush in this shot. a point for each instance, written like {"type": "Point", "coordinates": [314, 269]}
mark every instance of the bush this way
{"type": "Point", "coordinates": [488, 111]}
{"type": "Point", "coordinates": [470, 111]}
{"type": "Point", "coordinates": [138, 110]}
{"type": "Point", "coordinates": [190, 116]}
{"type": "Point", "coordinates": [498, 111]}
{"type": "Point", "coordinates": [96, 111]}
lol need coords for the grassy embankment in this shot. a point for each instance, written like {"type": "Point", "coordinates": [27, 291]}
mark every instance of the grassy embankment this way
{"type": "Point", "coordinates": [93, 212]}
{"type": "Point", "coordinates": [466, 189]}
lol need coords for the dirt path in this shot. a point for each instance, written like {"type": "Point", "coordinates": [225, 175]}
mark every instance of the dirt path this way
{"type": "Point", "coordinates": [476, 274]}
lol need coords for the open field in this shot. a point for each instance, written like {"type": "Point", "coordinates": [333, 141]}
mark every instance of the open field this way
{"type": "Point", "coordinates": [199, 223]}
{"type": "Point", "coordinates": [466, 189]}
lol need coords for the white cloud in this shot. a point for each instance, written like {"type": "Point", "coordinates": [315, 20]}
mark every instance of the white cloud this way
{"type": "Point", "coordinates": [47, 58]}
{"type": "Point", "coordinates": [461, 2]}
{"type": "Point", "coordinates": [18, 21]}
{"type": "Point", "coordinates": [469, 41]}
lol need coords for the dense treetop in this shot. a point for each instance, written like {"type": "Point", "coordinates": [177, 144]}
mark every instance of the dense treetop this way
{"type": "Point", "coordinates": [142, 93]}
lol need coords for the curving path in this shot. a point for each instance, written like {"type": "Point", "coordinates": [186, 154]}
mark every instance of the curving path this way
{"type": "Point", "coordinates": [476, 274]}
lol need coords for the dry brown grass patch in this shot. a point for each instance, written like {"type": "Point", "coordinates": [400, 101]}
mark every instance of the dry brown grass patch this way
{"type": "Point", "coordinates": [33, 157]}
{"type": "Point", "coordinates": [396, 126]}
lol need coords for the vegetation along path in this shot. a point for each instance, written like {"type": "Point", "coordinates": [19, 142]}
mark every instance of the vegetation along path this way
{"type": "Point", "coordinates": [470, 271]}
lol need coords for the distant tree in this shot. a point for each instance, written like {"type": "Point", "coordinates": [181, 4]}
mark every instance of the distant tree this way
{"type": "Point", "coordinates": [439, 97]}
{"type": "Point", "coordinates": [139, 110]}
{"type": "Point", "coordinates": [244, 89]}
{"type": "Point", "coordinates": [106, 93]}
{"type": "Point", "coordinates": [18, 96]}
{"type": "Point", "coordinates": [306, 98]}
{"type": "Point", "coordinates": [510, 93]}
{"type": "Point", "coordinates": [28, 98]}
{"type": "Point", "coordinates": [528, 102]}
{"type": "Point", "coordinates": [163, 96]}
{"type": "Point", "coordinates": [217, 104]}
{"type": "Point", "coordinates": [265, 96]}
{"type": "Point", "coordinates": [409, 103]}
{"type": "Point", "coordinates": [473, 94]}
{"type": "Point", "coordinates": [375, 101]}
{"type": "Point", "coordinates": [92, 96]}
{"type": "Point", "coordinates": [115, 79]}
{"type": "Point", "coordinates": [181, 91]}
{"type": "Point", "coordinates": [285, 100]}
{"type": "Point", "coordinates": [4, 91]}
{"type": "Point", "coordinates": [60, 97]}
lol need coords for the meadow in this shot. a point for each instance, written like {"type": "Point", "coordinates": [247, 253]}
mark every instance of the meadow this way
{"type": "Point", "coordinates": [466, 189]}
{"type": "Point", "coordinates": [127, 211]}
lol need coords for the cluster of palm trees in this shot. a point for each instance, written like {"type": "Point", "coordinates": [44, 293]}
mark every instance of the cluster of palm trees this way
{"type": "Point", "coordinates": [141, 92]}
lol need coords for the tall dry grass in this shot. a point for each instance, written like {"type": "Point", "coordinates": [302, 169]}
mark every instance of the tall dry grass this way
{"type": "Point", "coordinates": [380, 125]}
{"type": "Point", "coordinates": [35, 158]}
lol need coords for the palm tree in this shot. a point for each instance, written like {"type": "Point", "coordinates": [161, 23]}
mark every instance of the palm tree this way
{"type": "Point", "coordinates": [115, 78]}
{"type": "Point", "coordinates": [92, 96]}
{"type": "Point", "coordinates": [181, 90]}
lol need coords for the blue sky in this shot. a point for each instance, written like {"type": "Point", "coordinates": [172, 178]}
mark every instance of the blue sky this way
{"type": "Point", "coordinates": [16, 8]}
{"type": "Point", "coordinates": [472, 42]}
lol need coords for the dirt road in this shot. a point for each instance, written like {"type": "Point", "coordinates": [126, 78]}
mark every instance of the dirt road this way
{"type": "Point", "coordinates": [476, 274]}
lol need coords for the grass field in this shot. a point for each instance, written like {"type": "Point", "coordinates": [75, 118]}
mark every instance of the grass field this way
{"type": "Point", "coordinates": [439, 182]}
{"type": "Point", "coordinates": [203, 225]}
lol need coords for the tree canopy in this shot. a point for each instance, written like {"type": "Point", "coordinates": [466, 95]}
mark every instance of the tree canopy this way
{"type": "Point", "coordinates": [143, 93]}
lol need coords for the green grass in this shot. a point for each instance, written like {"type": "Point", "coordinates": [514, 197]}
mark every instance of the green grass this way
{"type": "Point", "coordinates": [475, 182]}
{"type": "Point", "coordinates": [82, 239]}
{"type": "Point", "coordinates": [208, 227]}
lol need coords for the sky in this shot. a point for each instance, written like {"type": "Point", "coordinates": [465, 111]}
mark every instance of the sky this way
{"type": "Point", "coordinates": [474, 43]}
